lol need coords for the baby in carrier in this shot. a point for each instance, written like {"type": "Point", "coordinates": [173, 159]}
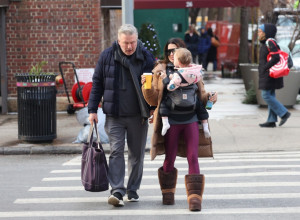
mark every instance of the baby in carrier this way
{"type": "Point", "coordinates": [182, 91]}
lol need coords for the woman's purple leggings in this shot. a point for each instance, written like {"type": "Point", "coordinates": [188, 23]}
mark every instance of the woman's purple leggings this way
{"type": "Point", "coordinates": [191, 137]}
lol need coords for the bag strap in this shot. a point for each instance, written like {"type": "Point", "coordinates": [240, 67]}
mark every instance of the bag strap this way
{"type": "Point", "coordinates": [90, 136]}
{"type": "Point", "coordinates": [274, 42]}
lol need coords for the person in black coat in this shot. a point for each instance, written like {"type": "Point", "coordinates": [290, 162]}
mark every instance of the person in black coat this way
{"type": "Point", "coordinates": [117, 79]}
{"type": "Point", "coordinates": [267, 84]}
{"type": "Point", "coordinates": [212, 52]}
{"type": "Point", "coordinates": [191, 38]}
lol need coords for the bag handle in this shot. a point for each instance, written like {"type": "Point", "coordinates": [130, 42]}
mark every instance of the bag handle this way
{"type": "Point", "coordinates": [275, 43]}
{"type": "Point", "coordinates": [90, 136]}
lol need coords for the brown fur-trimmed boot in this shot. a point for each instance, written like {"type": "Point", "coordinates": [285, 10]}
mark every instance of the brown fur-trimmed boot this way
{"type": "Point", "coordinates": [194, 185]}
{"type": "Point", "coordinates": [167, 183]}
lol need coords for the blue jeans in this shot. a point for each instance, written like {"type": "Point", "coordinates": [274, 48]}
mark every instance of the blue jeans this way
{"type": "Point", "coordinates": [274, 106]}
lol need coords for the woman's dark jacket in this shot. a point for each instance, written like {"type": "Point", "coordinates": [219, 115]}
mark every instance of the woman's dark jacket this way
{"type": "Point", "coordinates": [106, 79]}
{"type": "Point", "coordinates": [265, 81]}
{"type": "Point", "coordinates": [204, 43]}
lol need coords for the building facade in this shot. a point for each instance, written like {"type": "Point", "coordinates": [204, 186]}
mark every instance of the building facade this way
{"type": "Point", "coordinates": [54, 31]}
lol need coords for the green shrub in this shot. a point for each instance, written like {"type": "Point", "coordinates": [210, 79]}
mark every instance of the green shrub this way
{"type": "Point", "coordinates": [37, 69]}
{"type": "Point", "coordinates": [250, 97]}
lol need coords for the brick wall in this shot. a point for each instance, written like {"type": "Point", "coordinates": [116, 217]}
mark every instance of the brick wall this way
{"type": "Point", "coordinates": [54, 30]}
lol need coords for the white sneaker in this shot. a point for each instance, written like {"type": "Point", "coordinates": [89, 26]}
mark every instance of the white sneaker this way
{"type": "Point", "coordinates": [116, 199]}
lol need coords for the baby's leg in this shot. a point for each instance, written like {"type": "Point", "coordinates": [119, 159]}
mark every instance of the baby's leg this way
{"type": "Point", "coordinates": [166, 125]}
{"type": "Point", "coordinates": [205, 128]}
{"type": "Point", "coordinates": [164, 111]}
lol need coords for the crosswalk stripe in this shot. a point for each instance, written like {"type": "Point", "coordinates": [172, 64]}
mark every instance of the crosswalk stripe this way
{"type": "Point", "coordinates": [259, 153]}
{"type": "Point", "coordinates": [234, 165]}
{"type": "Point", "coordinates": [147, 169]}
{"type": "Point", "coordinates": [222, 155]}
{"type": "Point", "coordinates": [283, 173]}
{"type": "Point", "coordinates": [159, 197]}
{"type": "Point", "coordinates": [182, 186]}
{"type": "Point", "coordinates": [204, 161]}
{"type": "Point", "coordinates": [152, 212]}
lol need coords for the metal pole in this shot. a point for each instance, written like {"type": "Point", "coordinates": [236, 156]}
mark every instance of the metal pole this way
{"type": "Point", "coordinates": [127, 12]}
{"type": "Point", "coordinates": [3, 72]}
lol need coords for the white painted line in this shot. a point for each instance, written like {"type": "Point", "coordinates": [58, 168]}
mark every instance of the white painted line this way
{"type": "Point", "coordinates": [66, 171]}
{"type": "Point", "coordinates": [283, 173]}
{"type": "Point", "coordinates": [159, 197]}
{"type": "Point", "coordinates": [152, 212]}
{"type": "Point", "coordinates": [147, 169]}
{"type": "Point", "coordinates": [66, 178]}
{"type": "Point", "coordinates": [259, 153]}
{"type": "Point", "coordinates": [216, 156]}
{"type": "Point", "coordinates": [210, 161]}
{"type": "Point", "coordinates": [182, 186]}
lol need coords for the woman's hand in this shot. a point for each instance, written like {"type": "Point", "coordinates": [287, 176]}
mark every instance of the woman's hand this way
{"type": "Point", "coordinates": [163, 74]}
{"type": "Point", "coordinates": [213, 97]}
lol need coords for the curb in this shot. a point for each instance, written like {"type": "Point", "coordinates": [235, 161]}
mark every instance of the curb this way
{"type": "Point", "coordinates": [30, 149]}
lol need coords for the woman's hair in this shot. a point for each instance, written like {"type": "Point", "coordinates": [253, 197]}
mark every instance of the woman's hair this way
{"type": "Point", "coordinates": [127, 29]}
{"type": "Point", "coordinates": [192, 28]}
{"type": "Point", "coordinates": [178, 42]}
{"type": "Point", "coordinates": [184, 56]}
{"type": "Point", "coordinates": [210, 32]}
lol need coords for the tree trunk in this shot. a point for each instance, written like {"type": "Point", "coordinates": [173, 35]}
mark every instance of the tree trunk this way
{"type": "Point", "coordinates": [212, 14]}
{"type": "Point", "coordinates": [203, 13]}
{"type": "Point", "coordinates": [220, 14]}
{"type": "Point", "coordinates": [243, 54]}
{"type": "Point", "coordinates": [193, 13]}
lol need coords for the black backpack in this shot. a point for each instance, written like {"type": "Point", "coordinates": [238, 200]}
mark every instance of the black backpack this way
{"type": "Point", "coordinates": [184, 99]}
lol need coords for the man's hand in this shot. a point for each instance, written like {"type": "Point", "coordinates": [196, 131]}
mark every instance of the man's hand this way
{"type": "Point", "coordinates": [143, 79]}
{"type": "Point", "coordinates": [150, 120]}
{"type": "Point", "coordinates": [92, 117]}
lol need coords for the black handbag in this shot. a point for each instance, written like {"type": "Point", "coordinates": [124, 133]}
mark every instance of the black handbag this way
{"type": "Point", "coordinates": [94, 169]}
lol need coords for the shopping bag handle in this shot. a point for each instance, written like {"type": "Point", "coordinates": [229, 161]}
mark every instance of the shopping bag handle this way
{"type": "Point", "coordinates": [90, 136]}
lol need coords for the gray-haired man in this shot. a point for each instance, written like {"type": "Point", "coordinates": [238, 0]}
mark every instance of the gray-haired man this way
{"type": "Point", "coordinates": [117, 79]}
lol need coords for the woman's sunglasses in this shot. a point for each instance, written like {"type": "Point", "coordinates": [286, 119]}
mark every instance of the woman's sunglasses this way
{"type": "Point", "coordinates": [170, 51]}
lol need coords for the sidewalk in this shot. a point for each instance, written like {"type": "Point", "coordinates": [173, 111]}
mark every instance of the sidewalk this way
{"type": "Point", "coordinates": [234, 127]}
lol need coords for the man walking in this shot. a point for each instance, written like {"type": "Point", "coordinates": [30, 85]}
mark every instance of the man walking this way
{"type": "Point", "coordinates": [117, 79]}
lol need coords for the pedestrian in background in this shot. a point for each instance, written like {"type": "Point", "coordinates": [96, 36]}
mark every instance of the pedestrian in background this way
{"type": "Point", "coordinates": [117, 79]}
{"type": "Point", "coordinates": [182, 124]}
{"type": "Point", "coordinates": [212, 52]}
{"type": "Point", "coordinates": [191, 38]}
{"type": "Point", "coordinates": [203, 47]}
{"type": "Point", "coordinates": [267, 84]}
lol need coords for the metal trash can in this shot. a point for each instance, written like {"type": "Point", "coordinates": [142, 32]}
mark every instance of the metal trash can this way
{"type": "Point", "coordinates": [36, 107]}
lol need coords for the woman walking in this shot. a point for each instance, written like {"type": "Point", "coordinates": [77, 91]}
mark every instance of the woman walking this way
{"type": "Point", "coordinates": [170, 144]}
{"type": "Point", "coordinates": [267, 84]}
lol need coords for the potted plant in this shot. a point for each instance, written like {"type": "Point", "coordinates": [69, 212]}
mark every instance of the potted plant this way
{"type": "Point", "coordinates": [287, 95]}
{"type": "Point", "coordinates": [36, 93]}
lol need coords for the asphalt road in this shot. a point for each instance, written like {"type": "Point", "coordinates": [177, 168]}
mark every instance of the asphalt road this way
{"type": "Point", "coordinates": [264, 185]}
